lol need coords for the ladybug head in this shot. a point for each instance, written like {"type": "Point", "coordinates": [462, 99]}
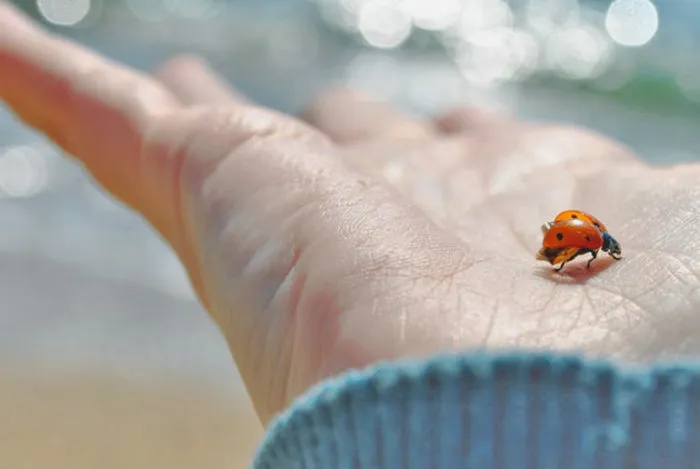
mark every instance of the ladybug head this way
{"type": "Point", "coordinates": [611, 245]}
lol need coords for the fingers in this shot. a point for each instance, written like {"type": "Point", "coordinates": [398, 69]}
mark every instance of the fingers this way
{"type": "Point", "coordinates": [348, 117]}
{"type": "Point", "coordinates": [469, 119]}
{"type": "Point", "coordinates": [192, 80]}
{"type": "Point", "coordinates": [93, 108]}
{"type": "Point", "coordinates": [97, 111]}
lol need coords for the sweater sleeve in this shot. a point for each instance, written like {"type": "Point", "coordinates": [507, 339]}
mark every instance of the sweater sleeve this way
{"type": "Point", "coordinates": [493, 411]}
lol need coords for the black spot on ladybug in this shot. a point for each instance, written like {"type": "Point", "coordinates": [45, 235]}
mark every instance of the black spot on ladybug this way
{"type": "Point", "coordinates": [588, 238]}
{"type": "Point", "coordinates": [574, 216]}
{"type": "Point", "coordinates": [560, 236]}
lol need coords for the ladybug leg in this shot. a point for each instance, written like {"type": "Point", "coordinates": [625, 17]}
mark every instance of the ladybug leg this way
{"type": "Point", "coordinates": [594, 254]}
{"type": "Point", "coordinates": [561, 266]}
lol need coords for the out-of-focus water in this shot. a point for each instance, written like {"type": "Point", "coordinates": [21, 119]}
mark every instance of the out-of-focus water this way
{"type": "Point", "coordinates": [114, 296]}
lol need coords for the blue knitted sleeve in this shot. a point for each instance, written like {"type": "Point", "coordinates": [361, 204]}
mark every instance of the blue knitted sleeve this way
{"type": "Point", "coordinates": [500, 411]}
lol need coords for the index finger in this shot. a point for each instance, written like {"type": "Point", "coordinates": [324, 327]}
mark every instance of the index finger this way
{"type": "Point", "coordinates": [80, 100]}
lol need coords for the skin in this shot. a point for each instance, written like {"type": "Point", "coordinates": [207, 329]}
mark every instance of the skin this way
{"type": "Point", "coordinates": [364, 234]}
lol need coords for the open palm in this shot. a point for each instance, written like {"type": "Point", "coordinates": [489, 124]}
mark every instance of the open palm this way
{"type": "Point", "coordinates": [369, 235]}
{"type": "Point", "coordinates": [494, 183]}
{"type": "Point", "coordinates": [491, 182]}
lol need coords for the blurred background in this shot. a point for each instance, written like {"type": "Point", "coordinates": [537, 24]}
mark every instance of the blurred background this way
{"type": "Point", "coordinates": [106, 359]}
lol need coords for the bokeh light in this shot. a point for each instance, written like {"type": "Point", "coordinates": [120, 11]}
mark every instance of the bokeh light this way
{"type": "Point", "coordinates": [478, 15]}
{"type": "Point", "coordinates": [384, 23]}
{"type": "Point", "coordinates": [579, 52]}
{"type": "Point", "coordinates": [435, 15]}
{"type": "Point", "coordinates": [64, 12]}
{"type": "Point", "coordinates": [493, 56]}
{"type": "Point", "coordinates": [632, 23]}
{"type": "Point", "coordinates": [496, 42]}
{"type": "Point", "coordinates": [543, 16]}
{"type": "Point", "coordinates": [23, 171]}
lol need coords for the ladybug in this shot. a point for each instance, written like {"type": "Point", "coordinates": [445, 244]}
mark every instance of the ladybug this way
{"type": "Point", "coordinates": [610, 244]}
{"type": "Point", "coordinates": [579, 215]}
{"type": "Point", "coordinates": [569, 238]}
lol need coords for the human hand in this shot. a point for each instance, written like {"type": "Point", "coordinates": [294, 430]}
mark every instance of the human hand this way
{"type": "Point", "coordinates": [366, 234]}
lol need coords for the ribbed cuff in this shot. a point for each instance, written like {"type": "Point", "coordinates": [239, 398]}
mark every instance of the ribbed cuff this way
{"type": "Point", "coordinates": [500, 411]}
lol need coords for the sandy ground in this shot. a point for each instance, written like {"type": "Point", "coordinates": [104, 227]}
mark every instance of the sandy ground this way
{"type": "Point", "coordinates": [96, 373]}
{"type": "Point", "coordinates": [93, 421]}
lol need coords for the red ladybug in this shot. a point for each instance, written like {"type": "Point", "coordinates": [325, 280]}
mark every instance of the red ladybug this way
{"type": "Point", "coordinates": [610, 244]}
{"type": "Point", "coordinates": [580, 215]}
{"type": "Point", "coordinates": [571, 237]}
